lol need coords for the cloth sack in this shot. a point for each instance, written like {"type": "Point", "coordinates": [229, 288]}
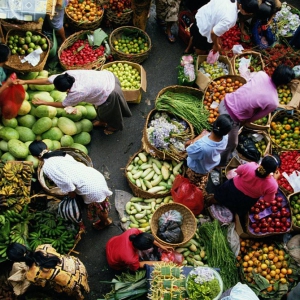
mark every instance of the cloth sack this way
{"type": "Point", "coordinates": [17, 278]}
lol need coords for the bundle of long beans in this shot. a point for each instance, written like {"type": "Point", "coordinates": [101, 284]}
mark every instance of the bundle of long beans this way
{"type": "Point", "coordinates": [219, 253]}
{"type": "Point", "coordinates": [187, 107]}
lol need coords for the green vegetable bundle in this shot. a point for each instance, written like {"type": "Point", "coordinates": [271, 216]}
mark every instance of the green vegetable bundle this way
{"type": "Point", "coordinates": [219, 253]}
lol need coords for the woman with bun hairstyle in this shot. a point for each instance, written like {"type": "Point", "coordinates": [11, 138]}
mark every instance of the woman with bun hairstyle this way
{"type": "Point", "coordinates": [46, 268]}
{"type": "Point", "coordinates": [124, 251]}
{"type": "Point", "coordinates": [100, 88]}
{"type": "Point", "coordinates": [204, 150]}
{"type": "Point", "coordinates": [4, 55]}
{"type": "Point", "coordinates": [252, 181]}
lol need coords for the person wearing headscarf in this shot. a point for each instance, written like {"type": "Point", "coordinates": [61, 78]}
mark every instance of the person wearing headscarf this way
{"type": "Point", "coordinates": [100, 88]}
{"type": "Point", "coordinates": [75, 178]}
{"type": "Point", "coordinates": [46, 268]}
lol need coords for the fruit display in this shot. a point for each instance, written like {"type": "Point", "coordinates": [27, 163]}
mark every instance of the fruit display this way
{"type": "Point", "coordinates": [284, 94]}
{"type": "Point", "coordinates": [119, 7]}
{"type": "Point", "coordinates": [295, 207]}
{"type": "Point", "coordinates": [255, 62]}
{"type": "Point", "coordinates": [55, 126]}
{"type": "Point", "coordinates": [290, 162]}
{"type": "Point", "coordinates": [285, 133]}
{"type": "Point", "coordinates": [131, 44]}
{"type": "Point", "coordinates": [218, 69]}
{"type": "Point", "coordinates": [129, 76]}
{"type": "Point", "coordinates": [84, 11]}
{"type": "Point", "coordinates": [152, 175]}
{"type": "Point", "coordinates": [263, 121]}
{"type": "Point", "coordinates": [216, 92]}
{"type": "Point", "coordinates": [266, 267]}
{"type": "Point", "coordinates": [23, 45]}
{"type": "Point", "coordinates": [270, 217]}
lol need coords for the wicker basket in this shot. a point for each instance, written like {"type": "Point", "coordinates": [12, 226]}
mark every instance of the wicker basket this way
{"type": "Point", "coordinates": [85, 25]}
{"type": "Point", "coordinates": [118, 55]}
{"type": "Point", "coordinates": [77, 155]}
{"type": "Point", "coordinates": [2, 38]}
{"type": "Point", "coordinates": [279, 115]}
{"type": "Point", "coordinates": [294, 227]}
{"type": "Point", "coordinates": [249, 53]}
{"type": "Point", "coordinates": [122, 20]}
{"type": "Point", "coordinates": [153, 151]}
{"type": "Point", "coordinates": [95, 65]}
{"type": "Point", "coordinates": [251, 233]}
{"type": "Point", "coordinates": [255, 126]}
{"type": "Point", "coordinates": [14, 62]}
{"type": "Point", "coordinates": [189, 224]}
{"type": "Point", "coordinates": [9, 24]}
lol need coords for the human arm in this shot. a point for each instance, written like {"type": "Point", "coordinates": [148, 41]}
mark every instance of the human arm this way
{"type": "Point", "coordinates": [40, 81]}
{"type": "Point", "coordinates": [165, 248]}
{"type": "Point", "coordinates": [217, 45]}
{"type": "Point", "coordinates": [6, 84]}
{"type": "Point", "coordinates": [41, 102]}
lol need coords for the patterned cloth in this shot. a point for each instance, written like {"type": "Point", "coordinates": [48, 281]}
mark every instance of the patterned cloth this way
{"type": "Point", "coordinates": [167, 10]}
{"type": "Point", "coordinates": [95, 209]}
{"type": "Point", "coordinates": [70, 175]}
{"type": "Point", "coordinates": [68, 276]}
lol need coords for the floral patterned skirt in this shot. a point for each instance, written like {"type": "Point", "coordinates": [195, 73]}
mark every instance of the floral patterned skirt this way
{"type": "Point", "coordinates": [97, 208]}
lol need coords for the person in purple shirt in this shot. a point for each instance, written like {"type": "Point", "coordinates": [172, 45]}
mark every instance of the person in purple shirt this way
{"type": "Point", "coordinates": [252, 101]}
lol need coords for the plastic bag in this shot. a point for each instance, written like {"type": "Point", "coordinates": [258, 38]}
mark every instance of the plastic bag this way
{"type": "Point", "coordinates": [170, 232]}
{"type": "Point", "coordinates": [247, 148]}
{"type": "Point", "coordinates": [17, 278]}
{"type": "Point", "coordinates": [11, 99]}
{"type": "Point", "coordinates": [293, 179]}
{"type": "Point", "coordinates": [241, 292]}
{"type": "Point", "coordinates": [212, 57]}
{"type": "Point", "coordinates": [233, 239]}
{"type": "Point", "coordinates": [237, 49]}
{"type": "Point", "coordinates": [172, 256]}
{"type": "Point", "coordinates": [170, 215]}
{"type": "Point", "coordinates": [186, 193]}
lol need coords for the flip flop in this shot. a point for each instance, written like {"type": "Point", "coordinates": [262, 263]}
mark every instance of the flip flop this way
{"type": "Point", "coordinates": [97, 225]}
{"type": "Point", "coordinates": [170, 37]}
{"type": "Point", "coordinates": [109, 130]}
{"type": "Point", "coordinates": [98, 123]}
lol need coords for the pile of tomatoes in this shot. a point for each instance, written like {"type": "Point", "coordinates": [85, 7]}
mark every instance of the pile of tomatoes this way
{"type": "Point", "coordinates": [81, 53]}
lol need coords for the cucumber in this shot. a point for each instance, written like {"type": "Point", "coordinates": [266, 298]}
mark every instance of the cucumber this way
{"type": "Point", "coordinates": [130, 176]}
{"type": "Point", "coordinates": [138, 183]}
{"type": "Point", "coordinates": [177, 168]}
{"type": "Point", "coordinates": [142, 156]}
{"type": "Point", "coordinates": [130, 167]}
{"type": "Point", "coordinates": [137, 175]}
{"type": "Point", "coordinates": [146, 172]}
{"type": "Point", "coordinates": [150, 175]}
{"type": "Point", "coordinates": [165, 172]}
{"type": "Point", "coordinates": [156, 169]}
{"type": "Point", "coordinates": [156, 181]}
{"type": "Point", "coordinates": [147, 184]}
{"type": "Point", "coordinates": [156, 189]}
{"type": "Point", "coordinates": [157, 162]}
{"type": "Point", "coordinates": [145, 166]}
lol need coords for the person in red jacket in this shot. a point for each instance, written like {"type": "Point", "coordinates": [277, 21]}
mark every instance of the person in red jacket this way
{"type": "Point", "coordinates": [125, 250]}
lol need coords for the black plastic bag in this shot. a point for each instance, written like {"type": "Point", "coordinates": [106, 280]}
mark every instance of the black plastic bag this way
{"type": "Point", "coordinates": [170, 232]}
{"type": "Point", "coordinates": [247, 148]}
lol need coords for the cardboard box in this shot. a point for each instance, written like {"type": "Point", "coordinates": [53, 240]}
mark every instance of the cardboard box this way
{"type": "Point", "coordinates": [202, 80]}
{"type": "Point", "coordinates": [240, 229]}
{"type": "Point", "coordinates": [132, 96]}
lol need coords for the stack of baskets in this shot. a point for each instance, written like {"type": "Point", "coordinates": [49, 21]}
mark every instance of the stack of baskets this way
{"type": "Point", "coordinates": [14, 62]}
{"type": "Point", "coordinates": [118, 33]}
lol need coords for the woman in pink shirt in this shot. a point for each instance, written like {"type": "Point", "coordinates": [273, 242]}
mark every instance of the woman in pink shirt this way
{"type": "Point", "coordinates": [252, 181]}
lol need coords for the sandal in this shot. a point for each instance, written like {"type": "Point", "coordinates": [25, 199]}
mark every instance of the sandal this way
{"type": "Point", "coordinates": [170, 37]}
{"type": "Point", "coordinates": [98, 123]}
{"type": "Point", "coordinates": [109, 130]}
{"type": "Point", "coordinates": [97, 225]}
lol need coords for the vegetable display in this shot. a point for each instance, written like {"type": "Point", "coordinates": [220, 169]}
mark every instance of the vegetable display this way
{"type": "Point", "coordinates": [185, 106]}
{"type": "Point", "coordinates": [186, 70]}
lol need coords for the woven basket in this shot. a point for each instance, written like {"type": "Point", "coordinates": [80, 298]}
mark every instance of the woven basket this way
{"type": "Point", "coordinates": [95, 65]}
{"type": "Point", "coordinates": [279, 115]}
{"type": "Point", "coordinates": [294, 227]}
{"type": "Point", "coordinates": [122, 20]}
{"type": "Point", "coordinates": [118, 55]}
{"type": "Point", "coordinates": [77, 155]}
{"type": "Point", "coordinates": [253, 53]}
{"type": "Point", "coordinates": [2, 38]}
{"type": "Point", "coordinates": [255, 126]}
{"type": "Point", "coordinates": [149, 148]}
{"type": "Point", "coordinates": [8, 25]}
{"type": "Point", "coordinates": [14, 62]}
{"type": "Point", "coordinates": [263, 235]}
{"type": "Point", "coordinates": [188, 227]}
{"type": "Point", "coordinates": [85, 25]}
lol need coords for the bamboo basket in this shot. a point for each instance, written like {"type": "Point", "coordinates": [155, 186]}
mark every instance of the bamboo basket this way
{"type": "Point", "coordinates": [249, 53]}
{"type": "Point", "coordinates": [14, 61]}
{"type": "Point", "coordinates": [188, 227]}
{"type": "Point", "coordinates": [294, 227]}
{"type": "Point", "coordinates": [251, 233]}
{"type": "Point", "coordinates": [122, 20]}
{"type": "Point", "coordinates": [77, 155]}
{"type": "Point", "coordinates": [279, 115]}
{"type": "Point", "coordinates": [2, 38]}
{"type": "Point", "coordinates": [153, 151]}
{"type": "Point", "coordinates": [95, 65]}
{"type": "Point", "coordinates": [118, 55]}
{"type": "Point", "coordinates": [85, 25]}
{"type": "Point", "coordinates": [255, 126]}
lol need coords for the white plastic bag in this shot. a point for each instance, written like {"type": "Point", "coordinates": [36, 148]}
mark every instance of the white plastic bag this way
{"type": "Point", "coordinates": [233, 239]}
{"type": "Point", "coordinates": [244, 68]}
{"type": "Point", "coordinates": [293, 179]}
{"type": "Point", "coordinates": [241, 292]}
{"type": "Point", "coordinates": [237, 49]}
{"type": "Point", "coordinates": [212, 57]}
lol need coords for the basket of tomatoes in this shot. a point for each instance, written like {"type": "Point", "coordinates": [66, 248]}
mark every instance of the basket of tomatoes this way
{"type": "Point", "coordinates": [84, 14]}
{"type": "Point", "coordinates": [216, 91]}
{"type": "Point", "coordinates": [76, 52]}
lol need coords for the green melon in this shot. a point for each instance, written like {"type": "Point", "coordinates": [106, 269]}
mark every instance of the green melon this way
{"type": "Point", "coordinates": [74, 117]}
{"type": "Point", "coordinates": [54, 133]}
{"type": "Point", "coordinates": [56, 145]}
{"type": "Point", "coordinates": [42, 125]}
{"type": "Point", "coordinates": [13, 123]}
{"type": "Point", "coordinates": [17, 148]}
{"type": "Point", "coordinates": [25, 108]}
{"type": "Point", "coordinates": [27, 120]}
{"type": "Point", "coordinates": [45, 111]}
{"type": "Point", "coordinates": [78, 126]}
{"type": "Point", "coordinates": [87, 125]}
{"type": "Point", "coordinates": [67, 126]}
{"type": "Point", "coordinates": [66, 141]}
{"type": "Point", "coordinates": [3, 146]}
{"type": "Point", "coordinates": [54, 122]}
{"type": "Point", "coordinates": [82, 138]}
{"type": "Point", "coordinates": [91, 112]}
{"type": "Point", "coordinates": [8, 133]}
{"type": "Point", "coordinates": [25, 134]}
{"type": "Point", "coordinates": [7, 157]}
{"type": "Point", "coordinates": [49, 143]}
{"type": "Point", "coordinates": [82, 109]}
{"type": "Point", "coordinates": [59, 110]}
{"type": "Point", "coordinates": [33, 159]}
{"type": "Point", "coordinates": [80, 147]}
{"type": "Point", "coordinates": [58, 96]}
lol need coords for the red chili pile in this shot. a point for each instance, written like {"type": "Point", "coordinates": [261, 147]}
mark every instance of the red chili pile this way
{"type": "Point", "coordinates": [81, 53]}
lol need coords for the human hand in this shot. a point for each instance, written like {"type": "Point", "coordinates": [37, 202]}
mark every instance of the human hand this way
{"type": "Point", "coordinates": [19, 81]}
{"type": "Point", "coordinates": [72, 194]}
{"type": "Point", "coordinates": [38, 102]}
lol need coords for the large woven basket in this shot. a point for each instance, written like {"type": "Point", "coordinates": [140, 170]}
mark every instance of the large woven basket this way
{"type": "Point", "coordinates": [95, 65]}
{"type": "Point", "coordinates": [14, 61]}
{"type": "Point", "coordinates": [85, 25]}
{"type": "Point", "coordinates": [255, 126]}
{"type": "Point", "coordinates": [249, 53]}
{"type": "Point", "coordinates": [188, 227]}
{"type": "Point", "coordinates": [124, 19]}
{"type": "Point", "coordinates": [9, 24]}
{"type": "Point", "coordinates": [54, 190]}
{"type": "Point", "coordinates": [118, 55]}
{"type": "Point", "coordinates": [153, 151]}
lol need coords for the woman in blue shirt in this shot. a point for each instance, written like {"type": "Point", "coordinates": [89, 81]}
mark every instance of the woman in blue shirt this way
{"type": "Point", "coordinates": [204, 151]}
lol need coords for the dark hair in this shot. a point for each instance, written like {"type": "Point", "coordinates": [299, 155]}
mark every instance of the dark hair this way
{"type": "Point", "coordinates": [37, 147]}
{"type": "Point", "coordinates": [222, 125]}
{"type": "Point", "coordinates": [249, 6]}
{"type": "Point", "coordinates": [266, 10]}
{"type": "Point", "coordinates": [282, 75]}
{"type": "Point", "coordinates": [19, 253]}
{"type": "Point", "coordinates": [4, 53]}
{"type": "Point", "coordinates": [142, 241]}
{"type": "Point", "coordinates": [63, 82]}
{"type": "Point", "coordinates": [268, 165]}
